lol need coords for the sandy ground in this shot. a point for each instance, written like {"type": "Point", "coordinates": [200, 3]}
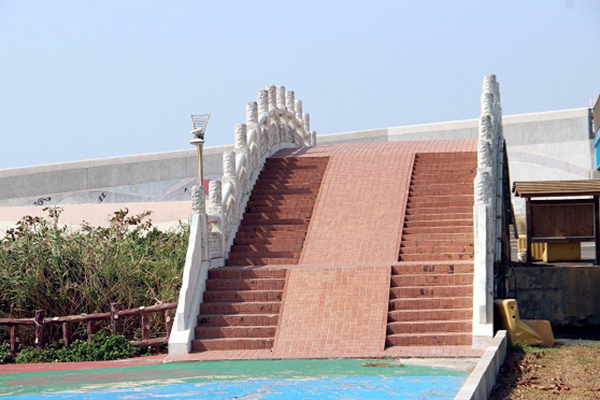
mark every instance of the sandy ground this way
{"type": "Point", "coordinates": [164, 214]}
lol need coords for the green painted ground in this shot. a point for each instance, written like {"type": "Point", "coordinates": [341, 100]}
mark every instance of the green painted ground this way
{"type": "Point", "coordinates": [209, 371]}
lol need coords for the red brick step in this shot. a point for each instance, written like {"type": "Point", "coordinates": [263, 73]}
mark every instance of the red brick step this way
{"type": "Point", "coordinates": [429, 339]}
{"type": "Point", "coordinates": [238, 320]}
{"type": "Point", "coordinates": [232, 344]}
{"type": "Point", "coordinates": [430, 315]}
{"type": "Point", "coordinates": [419, 327]}
{"type": "Point", "coordinates": [430, 303]}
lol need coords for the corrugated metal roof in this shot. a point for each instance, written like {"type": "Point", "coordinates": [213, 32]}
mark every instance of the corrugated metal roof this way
{"type": "Point", "coordinates": [587, 187]}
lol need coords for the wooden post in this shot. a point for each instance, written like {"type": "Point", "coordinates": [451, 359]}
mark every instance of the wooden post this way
{"type": "Point", "coordinates": [145, 334]}
{"type": "Point", "coordinates": [115, 322]}
{"type": "Point", "coordinates": [14, 334]}
{"type": "Point", "coordinates": [528, 221]}
{"type": "Point", "coordinates": [596, 230]}
{"type": "Point", "coordinates": [91, 329]}
{"type": "Point", "coordinates": [66, 331]}
{"type": "Point", "coordinates": [168, 322]}
{"type": "Point", "coordinates": [40, 329]}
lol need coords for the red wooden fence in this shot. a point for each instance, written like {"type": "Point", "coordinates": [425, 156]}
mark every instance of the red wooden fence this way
{"type": "Point", "coordinates": [115, 316]}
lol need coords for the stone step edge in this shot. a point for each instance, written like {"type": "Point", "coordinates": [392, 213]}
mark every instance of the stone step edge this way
{"type": "Point", "coordinates": [431, 321]}
{"type": "Point", "coordinates": [423, 310]}
{"type": "Point", "coordinates": [413, 299]}
{"type": "Point", "coordinates": [235, 327]}
{"type": "Point", "coordinates": [429, 334]}
{"type": "Point", "coordinates": [212, 303]}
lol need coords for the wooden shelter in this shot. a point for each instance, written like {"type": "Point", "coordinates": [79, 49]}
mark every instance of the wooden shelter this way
{"type": "Point", "coordinates": [568, 212]}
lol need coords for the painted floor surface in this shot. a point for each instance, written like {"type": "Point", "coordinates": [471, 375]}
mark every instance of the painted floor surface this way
{"type": "Point", "coordinates": [259, 379]}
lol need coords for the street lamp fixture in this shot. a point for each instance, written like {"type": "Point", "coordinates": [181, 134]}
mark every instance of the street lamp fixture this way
{"type": "Point", "coordinates": [199, 123]}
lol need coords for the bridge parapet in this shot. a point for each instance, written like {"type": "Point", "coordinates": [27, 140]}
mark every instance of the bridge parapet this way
{"type": "Point", "coordinates": [492, 211]}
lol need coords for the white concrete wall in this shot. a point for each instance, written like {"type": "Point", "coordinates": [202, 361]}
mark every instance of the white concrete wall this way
{"type": "Point", "coordinates": [547, 145]}
{"type": "Point", "coordinates": [147, 177]}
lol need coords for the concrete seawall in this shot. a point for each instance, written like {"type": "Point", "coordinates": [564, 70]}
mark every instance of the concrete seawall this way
{"type": "Point", "coordinates": [547, 145]}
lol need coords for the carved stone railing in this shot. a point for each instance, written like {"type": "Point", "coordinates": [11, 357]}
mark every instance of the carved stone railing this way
{"type": "Point", "coordinates": [491, 211]}
{"type": "Point", "coordinates": [275, 121]}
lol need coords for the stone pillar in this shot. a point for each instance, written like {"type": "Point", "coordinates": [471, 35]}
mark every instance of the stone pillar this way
{"type": "Point", "coordinates": [229, 168]}
{"type": "Point", "coordinates": [229, 176]}
{"type": "Point", "coordinates": [198, 200]}
{"type": "Point", "coordinates": [241, 141]}
{"type": "Point", "coordinates": [215, 196]}
{"type": "Point", "coordinates": [216, 234]}
{"type": "Point", "coordinates": [280, 98]}
{"type": "Point", "coordinates": [289, 101]}
{"type": "Point", "coordinates": [251, 114]}
{"type": "Point", "coordinates": [199, 211]}
{"type": "Point", "coordinates": [241, 149]}
{"type": "Point", "coordinates": [272, 89]}
{"type": "Point", "coordinates": [298, 114]}
{"type": "Point", "coordinates": [306, 127]}
{"type": "Point", "coordinates": [252, 125]}
{"type": "Point", "coordinates": [263, 102]}
{"type": "Point", "coordinates": [263, 109]}
{"type": "Point", "coordinates": [298, 110]}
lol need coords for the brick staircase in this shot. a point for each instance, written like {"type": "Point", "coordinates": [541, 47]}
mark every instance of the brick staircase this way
{"type": "Point", "coordinates": [242, 300]}
{"type": "Point", "coordinates": [240, 308]}
{"type": "Point", "coordinates": [438, 223]}
{"type": "Point", "coordinates": [431, 293]}
{"type": "Point", "coordinates": [274, 225]}
{"type": "Point", "coordinates": [430, 305]}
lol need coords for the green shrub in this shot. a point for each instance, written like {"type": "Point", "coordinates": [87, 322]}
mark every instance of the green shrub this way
{"type": "Point", "coordinates": [33, 355]}
{"type": "Point", "coordinates": [45, 266]}
{"type": "Point", "coordinates": [5, 356]}
{"type": "Point", "coordinates": [103, 347]}
{"type": "Point", "coordinates": [4, 335]}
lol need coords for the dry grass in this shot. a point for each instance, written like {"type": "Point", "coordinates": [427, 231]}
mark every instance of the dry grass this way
{"type": "Point", "coordinates": [571, 372]}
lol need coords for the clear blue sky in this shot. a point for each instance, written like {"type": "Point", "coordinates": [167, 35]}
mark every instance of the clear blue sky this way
{"type": "Point", "coordinates": [93, 79]}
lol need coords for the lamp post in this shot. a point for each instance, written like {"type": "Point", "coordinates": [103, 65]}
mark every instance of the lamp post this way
{"type": "Point", "coordinates": [199, 122]}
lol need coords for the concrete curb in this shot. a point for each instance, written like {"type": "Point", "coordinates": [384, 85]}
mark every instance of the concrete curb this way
{"type": "Point", "coordinates": [481, 381]}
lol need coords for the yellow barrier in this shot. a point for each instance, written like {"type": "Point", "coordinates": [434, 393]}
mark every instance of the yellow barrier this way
{"type": "Point", "coordinates": [537, 249]}
{"type": "Point", "coordinates": [529, 332]}
{"type": "Point", "coordinates": [562, 252]}
{"type": "Point", "coordinates": [543, 328]}
{"type": "Point", "coordinates": [549, 252]}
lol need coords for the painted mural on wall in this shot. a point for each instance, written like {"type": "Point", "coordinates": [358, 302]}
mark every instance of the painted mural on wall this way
{"type": "Point", "coordinates": [160, 191]}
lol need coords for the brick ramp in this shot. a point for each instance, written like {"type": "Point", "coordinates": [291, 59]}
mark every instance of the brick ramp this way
{"type": "Point", "coordinates": [333, 311]}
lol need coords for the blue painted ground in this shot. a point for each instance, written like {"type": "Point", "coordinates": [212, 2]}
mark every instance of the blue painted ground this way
{"type": "Point", "coordinates": [284, 379]}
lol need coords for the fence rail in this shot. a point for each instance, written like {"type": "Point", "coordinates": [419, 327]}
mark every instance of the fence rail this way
{"type": "Point", "coordinates": [115, 316]}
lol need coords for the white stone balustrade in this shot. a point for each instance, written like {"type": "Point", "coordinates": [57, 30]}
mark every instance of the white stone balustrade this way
{"type": "Point", "coordinates": [274, 122]}
{"type": "Point", "coordinates": [487, 210]}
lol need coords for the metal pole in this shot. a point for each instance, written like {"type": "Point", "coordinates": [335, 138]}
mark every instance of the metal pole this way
{"type": "Point", "coordinates": [200, 166]}
{"type": "Point", "coordinates": [198, 143]}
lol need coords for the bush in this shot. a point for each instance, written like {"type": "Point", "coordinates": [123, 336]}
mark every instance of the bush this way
{"type": "Point", "coordinates": [102, 348]}
{"type": "Point", "coordinates": [5, 356]}
{"type": "Point", "coordinates": [45, 266]}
